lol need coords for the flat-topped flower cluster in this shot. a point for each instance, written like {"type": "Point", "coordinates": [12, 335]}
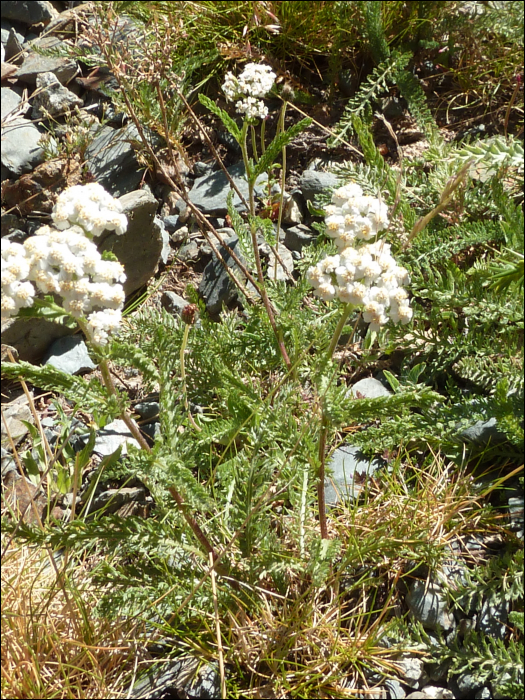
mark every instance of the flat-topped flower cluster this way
{"type": "Point", "coordinates": [362, 274]}
{"type": "Point", "coordinates": [248, 88]}
{"type": "Point", "coordinates": [65, 261]}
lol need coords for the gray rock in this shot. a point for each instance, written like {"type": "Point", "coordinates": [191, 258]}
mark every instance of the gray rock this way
{"type": "Point", "coordinates": [13, 414]}
{"type": "Point", "coordinates": [34, 64]}
{"type": "Point", "coordinates": [216, 287]}
{"type": "Point", "coordinates": [483, 432]}
{"type": "Point", "coordinates": [209, 192]}
{"type": "Point", "coordinates": [147, 409]}
{"type": "Point", "coordinates": [313, 183]}
{"type": "Point", "coordinates": [394, 689]}
{"type": "Point", "coordinates": [347, 470]}
{"type": "Point", "coordinates": [28, 12]}
{"type": "Point", "coordinates": [273, 263]}
{"type": "Point", "coordinates": [412, 671]}
{"type": "Point", "coordinates": [296, 237]}
{"type": "Point", "coordinates": [111, 437]}
{"type": "Point", "coordinates": [184, 677]}
{"type": "Point", "coordinates": [292, 213]}
{"type": "Point", "coordinates": [464, 685]}
{"type": "Point", "coordinates": [170, 222]}
{"type": "Point", "coordinates": [201, 169]}
{"type": "Point", "coordinates": [492, 619]}
{"type": "Point", "coordinates": [111, 159]}
{"type": "Point", "coordinates": [111, 500]}
{"type": "Point", "coordinates": [21, 151]}
{"type": "Point", "coordinates": [69, 354]}
{"type": "Point", "coordinates": [189, 251]}
{"type": "Point", "coordinates": [417, 695]}
{"type": "Point", "coordinates": [10, 102]}
{"type": "Point", "coordinates": [13, 48]}
{"type": "Point", "coordinates": [54, 99]}
{"type": "Point", "coordinates": [430, 606]}
{"type": "Point", "coordinates": [139, 248]}
{"type": "Point", "coordinates": [483, 694]}
{"type": "Point", "coordinates": [434, 691]}
{"type": "Point", "coordinates": [173, 303]}
{"type": "Point", "coordinates": [516, 515]}
{"type": "Point", "coordinates": [32, 337]}
{"type": "Point", "coordinates": [369, 388]}
{"type": "Point", "coordinates": [8, 463]}
{"type": "Point", "coordinates": [7, 28]}
{"type": "Point", "coordinates": [166, 248]}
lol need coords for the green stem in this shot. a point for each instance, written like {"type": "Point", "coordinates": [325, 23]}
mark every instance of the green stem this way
{"type": "Point", "coordinates": [321, 476]}
{"type": "Point", "coordinates": [253, 232]}
{"type": "Point", "coordinates": [323, 438]}
{"type": "Point", "coordinates": [254, 143]}
{"type": "Point", "coordinates": [263, 131]}
{"type": "Point", "coordinates": [183, 375]}
{"type": "Point", "coordinates": [280, 129]}
{"type": "Point", "coordinates": [338, 330]}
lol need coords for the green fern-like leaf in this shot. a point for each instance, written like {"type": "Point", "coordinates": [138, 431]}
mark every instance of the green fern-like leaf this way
{"type": "Point", "coordinates": [223, 116]}
{"type": "Point", "coordinates": [375, 84]}
{"type": "Point", "coordinates": [274, 150]}
{"type": "Point", "coordinates": [91, 396]}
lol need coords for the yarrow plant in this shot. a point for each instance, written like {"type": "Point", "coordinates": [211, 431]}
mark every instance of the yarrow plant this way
{"type": "Point", "coordinates": [65, 261]}
{"type": "Point", "coordinates": [362, 274]}
{"type": "Point", "coordinates": [247, 91]}
{"type": "Point", "coordinates": [254, 83]}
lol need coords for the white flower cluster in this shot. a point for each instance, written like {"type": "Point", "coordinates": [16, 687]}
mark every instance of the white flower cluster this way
{"type": "Point", "coordinates": [16, 291]}
{"type": "Point", "coordinates": [91, 207]}
{"type": "Point", "coordinates": [248, 88]}
{"type": "Point", "coordinates": [66, 262]}
{"type": "Point", "coordinates": [362, 274]}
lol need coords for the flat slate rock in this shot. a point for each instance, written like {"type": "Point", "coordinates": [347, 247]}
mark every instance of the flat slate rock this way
{"type": "Point", "coordinates": [139, 249]}
{"type": "Point", "coordinates": [21, 150]}
{"type": "Point", "coordinates": [70, 355]}
{"type": "Point", "coordinates": [347, 471]}
{"type": "Point", "coordinates": [209, 193]}
{"type": "Point", "coordinates": [111, 158]}
{"type": "Point", "coordinates": [216, 287]}
{"type": "Point", "coordinates": [428, 605]}
{"type": "Point", "coordinates": [312, 183]}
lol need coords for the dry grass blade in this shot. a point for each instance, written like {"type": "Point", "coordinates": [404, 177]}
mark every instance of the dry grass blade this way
{"type": "Point", "coordinates": [51, 648]}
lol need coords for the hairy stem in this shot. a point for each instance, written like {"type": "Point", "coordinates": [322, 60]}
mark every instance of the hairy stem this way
{"type": "Point", "coordinates": [323, 438]}
{"type": "Point", "coordinates": [183, 375]}
{"type": "Point", "coordinates": [320, 478]}
{"type": "Point", "coordinates": [253, 232]}
{"type": "Point", "coordinates": [280, 129]}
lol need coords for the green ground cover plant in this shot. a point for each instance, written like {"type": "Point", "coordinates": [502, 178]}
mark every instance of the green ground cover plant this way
{"type": "Point", "coordinates": [239, 562]}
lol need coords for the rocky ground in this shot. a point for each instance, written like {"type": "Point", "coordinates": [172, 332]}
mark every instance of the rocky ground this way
{"type": "Point", "coordinates": [163, 251]}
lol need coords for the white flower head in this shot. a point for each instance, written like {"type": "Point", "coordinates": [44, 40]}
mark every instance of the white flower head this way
{"type": "Point", "coordinates": [345, 193]}
{"type": "Point", "coordinates": [252, 107]}
{"type": "Point", "coordinates": [363, 274]}
{"type": "Point", "coordinates": [248, 89]}
{"type": "Point", "coordinates": [90, 207]}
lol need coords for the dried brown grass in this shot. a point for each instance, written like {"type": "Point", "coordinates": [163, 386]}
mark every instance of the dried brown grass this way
{"type": "Point", "coordinates": [53, 644]}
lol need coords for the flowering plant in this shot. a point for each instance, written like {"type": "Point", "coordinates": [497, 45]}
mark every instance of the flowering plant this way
{"type": "Point", "coordinates": [65, 261]}
{"type": "Point", "coordinates": [247, 91]}
{"type": "Point", "coordinates": [362, 274]}
{"type": "Point", "coordinates": [254, 82]}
